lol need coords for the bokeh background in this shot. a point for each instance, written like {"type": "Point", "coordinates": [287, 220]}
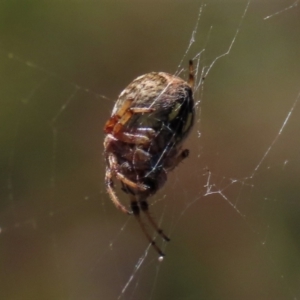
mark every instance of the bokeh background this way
{"type": "Point", "coordinates": [231, 210]}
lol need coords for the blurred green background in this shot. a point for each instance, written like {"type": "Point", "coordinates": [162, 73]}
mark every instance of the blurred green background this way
{"type": "Point", "coordinates": [232, 209]}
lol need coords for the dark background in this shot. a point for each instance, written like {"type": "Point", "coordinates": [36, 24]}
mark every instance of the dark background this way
{"type": "Point", "coordinates": [231, 209]}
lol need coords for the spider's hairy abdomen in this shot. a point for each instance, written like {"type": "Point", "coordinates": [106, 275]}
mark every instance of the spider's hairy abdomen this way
{"type": "Point", "coordinates": [169, 96]}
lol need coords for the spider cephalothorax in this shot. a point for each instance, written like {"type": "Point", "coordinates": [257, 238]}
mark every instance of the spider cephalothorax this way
{"type": "Point", "coordinates": [149, 122]}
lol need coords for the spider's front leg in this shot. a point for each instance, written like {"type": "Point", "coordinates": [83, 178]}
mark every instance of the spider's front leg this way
{"type": "Point", "coordinates": [141, 136]}
{"type": "Point", "coordinates": [109, 187]}
{"type": "Point", "coordinates": [128, 114]}
{"type": "Point", "coordinates": [115, 124]}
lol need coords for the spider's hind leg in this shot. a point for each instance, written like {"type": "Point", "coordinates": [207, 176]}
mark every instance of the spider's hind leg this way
{"type": "Point", "coordinates": [136, 212]}
{"type": "Point", "coordinates": [145, 209]}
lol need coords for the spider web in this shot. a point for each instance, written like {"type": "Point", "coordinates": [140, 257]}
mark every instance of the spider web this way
{"type": "Point", "coordinates": [231, 209]}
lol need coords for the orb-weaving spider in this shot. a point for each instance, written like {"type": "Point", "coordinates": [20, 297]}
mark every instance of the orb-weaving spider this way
{"type": "Point", "coordinates": [149, 122]}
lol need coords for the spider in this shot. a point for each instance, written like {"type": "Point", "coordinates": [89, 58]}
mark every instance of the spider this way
{"type": "Point", "coordinates": [151, 118]}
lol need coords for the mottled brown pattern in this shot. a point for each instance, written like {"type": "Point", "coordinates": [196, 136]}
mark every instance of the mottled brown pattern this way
{"type": "Point", "coordinates": [150, 120]}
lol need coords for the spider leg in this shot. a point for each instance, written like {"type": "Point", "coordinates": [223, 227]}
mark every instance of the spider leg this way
{"type": "Point", "coordinates": [114, 166]}
{"type": "Point", "coordinates": [140, 155]}
{"type": "Point", "coordinates": [136, 211]}
{"type": "Point", "coordinates": [141, 110]}
{"type": "Point", "coordinates": [142, 137]}
{"type": "Point", "coordinates": [121, 117]}
{"type": "Point", "coordinates": [183, 155]}
{"type": "Point", "coordinates": [112, 194]}
{"type": "Point", "coordinates": [132, 138]}
{"type": "Point", "coordinates": [128, 114]}
{"type": "Point", "coordinates": [125, 180]}
{"type": "Point", "coordinates": [145, 209]}
{"type": "Point", "coordinates": [117, 116]}
{"type": "Point", "coordinates": [191, 80]}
